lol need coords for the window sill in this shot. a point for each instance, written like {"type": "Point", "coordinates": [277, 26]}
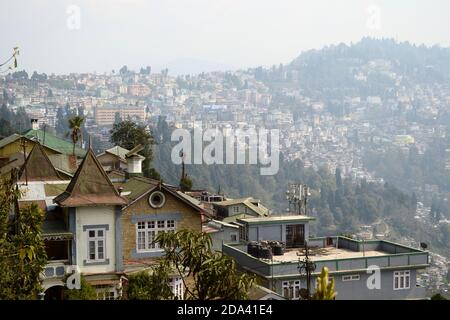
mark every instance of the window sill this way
{"type": "Point", "coordinates": [95, 263]}
{"type": "Point", "coordinates": [398, 289]}
{"type": "Point", "coordinates": [147, 254]}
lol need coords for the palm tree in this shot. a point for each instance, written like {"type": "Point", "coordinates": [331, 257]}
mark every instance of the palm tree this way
{"type": "Point", "coordinates": [75, 133]}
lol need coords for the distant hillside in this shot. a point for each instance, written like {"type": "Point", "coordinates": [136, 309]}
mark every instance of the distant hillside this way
{"type": "Point", "coordinates": [368, 67]}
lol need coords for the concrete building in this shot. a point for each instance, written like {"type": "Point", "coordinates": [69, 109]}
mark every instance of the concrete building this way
{"type": "Point", "coordinates": [221, 232]}
{"type": "Point", "coordinates": [231, 209]}
{"type": "Point", "coordinates": [372, 269]}
{"type": "Point", "coordinates": [106, 115]}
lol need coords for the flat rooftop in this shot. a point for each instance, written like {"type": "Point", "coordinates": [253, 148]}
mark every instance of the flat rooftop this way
{"type": "Point", "coordinates": [328, 253]}
{"type": "Point", "coordinates": [275, 219]}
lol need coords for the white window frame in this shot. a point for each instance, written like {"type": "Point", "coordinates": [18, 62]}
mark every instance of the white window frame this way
{"type": "Point", "coordinates": [235, 234]}
{"type": "Point", "coordinates": [293, 288]}
{"type": "Point", "coordinates": [150, 230]}
{"type": "Point", "coordinates": [177, 286]}
{"type": "Point", "coordinates": [401, 277]}
{"type": "Point", "coordinates": [105, 292]}
{"type": "Point", "coordinates": [350, 277]}
{"type": "Point", "coordinates": [96, 239]}
{"type": "Point", "coordinates": [235, 209]}
{"type": "Point", "coordinates": [243, 232]}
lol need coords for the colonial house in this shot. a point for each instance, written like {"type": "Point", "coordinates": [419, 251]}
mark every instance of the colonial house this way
{"type": "Point", "coordinates": [52, 144]}
{"type": "Point", "coordinates": [93, 209]}
{"type": "Point", "coordinates": [222, 232]}
{"type": "Point", "coordinates": [39, 182]}
{"type": "Point", "coordinates": [152, 208]}
{"type": "Point", "coordinates": [16, 147]}
{"type": "Point", "coordinates": [113, 159]}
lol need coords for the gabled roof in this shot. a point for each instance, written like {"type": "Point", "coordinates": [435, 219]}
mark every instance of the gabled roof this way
{"type": "Point", "coordinates": [135, 152]}
{"type": "Point", "coordinates": [135, 187]}
{"type": "Point", "coordinates": [53, 142]}
{"type": "Point", "coordinates": [90, 186]}
{"type": "Point", "coordinates": [140, 186]}
{"type": "Point", "coordinates": [258, 292]}
{"type": "Point", "coordinates": [38, 167]}
{"type": "Point", "coordinates": [117, 151]}
{"type": "Point", "coordinates": [8, 140]}
{"type": "Point", "coordinates": [233, 219]}
{"type": "Point", "coordinates": [248, 202]}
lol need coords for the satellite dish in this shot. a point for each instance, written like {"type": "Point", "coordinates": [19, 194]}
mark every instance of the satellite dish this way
{"type": "Point", "coordinates": [423, 245]}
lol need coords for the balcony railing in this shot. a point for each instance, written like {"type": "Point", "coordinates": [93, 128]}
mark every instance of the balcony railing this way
{"type": "Point", "coordinates": [56, 269]}
{"type": "Point", "coordinates": [415, 259]}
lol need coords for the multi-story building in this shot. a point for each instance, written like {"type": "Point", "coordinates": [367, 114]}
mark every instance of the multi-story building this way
{"type": "Point", "coordinates": [100, 230]}
{"type": "Point", "coordinates": [106, 115]}
{"type": "Point", "coordinates": [371, 269]}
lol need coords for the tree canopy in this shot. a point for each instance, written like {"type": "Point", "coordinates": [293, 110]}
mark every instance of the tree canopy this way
{"type": "Point", "coordinates": [206, 274]}
{"type": "Point", "coordinates": [128, 135]}
{"type": "Point", "coordinates": [22, 250]}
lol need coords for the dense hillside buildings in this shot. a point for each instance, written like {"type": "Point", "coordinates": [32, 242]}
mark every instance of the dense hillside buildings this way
{"type": "Point", "coordinates": [102, 219]}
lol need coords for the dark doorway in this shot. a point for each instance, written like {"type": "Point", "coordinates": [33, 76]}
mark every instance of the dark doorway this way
{"type": "Point", "coordinates": [54, 293]}
{"type": "Point", "coordinates": [295, 235]}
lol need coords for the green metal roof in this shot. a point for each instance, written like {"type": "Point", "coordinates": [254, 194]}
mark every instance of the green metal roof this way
{"type": "Point", "coordinates": [53, 142]}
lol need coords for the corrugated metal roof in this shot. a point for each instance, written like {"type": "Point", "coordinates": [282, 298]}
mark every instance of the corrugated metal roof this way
{"type": "Point", "coordinates": [90, 186]}
{"type": "Point", "coordinates": [8, 140]}
{"type": "Point", "coordinates": [118, 151]}
{"type": "Point", "coordinates": [53, 142]}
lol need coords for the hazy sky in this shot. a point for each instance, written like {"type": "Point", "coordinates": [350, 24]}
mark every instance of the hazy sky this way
{"type": "Point", "coordinates": [203, 33]}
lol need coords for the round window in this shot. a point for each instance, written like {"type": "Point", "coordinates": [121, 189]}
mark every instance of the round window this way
{"type": "Point", "coordinates": [157, 199]}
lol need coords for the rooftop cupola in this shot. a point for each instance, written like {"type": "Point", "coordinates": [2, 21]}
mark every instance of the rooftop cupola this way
{"type": "Point", "coordinates": [134, 161]}
{"type": "Point", "coordinates": [34, 124]}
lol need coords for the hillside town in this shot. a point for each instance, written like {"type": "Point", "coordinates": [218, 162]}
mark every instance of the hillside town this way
{"type": "Point", "coordinates": [240, 99]}
{"type": "Point", "coordinates": [102, 217]}
{"type": "Point", "coordinates": [313, 128]}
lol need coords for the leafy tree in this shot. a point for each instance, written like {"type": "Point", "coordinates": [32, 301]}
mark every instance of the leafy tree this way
{"type": "Point", "coordinates": [128, 135]}
{"type": "Point", "coordinates": [185, 184]}
{"type": "Point", "coordinates": [438, 296]}
{"type": "Point", "coordinates": [117, 118]}
{"type": "Point", "coordinates": [75, 125]}
{"type": "Point", "coordinates": [324, 288]}
{"type": "Point", "coordinates": [213, 274]}
{"type": "Point", "coordinates": [338, 178]}
{"type": "Point", "coordinates": [152, 173]}
{"type": "Point", "coordinates": [61, 123]}
{"type": "Point", "coordinates": [5, 128]}
{"type": "Point", "coordinates": [5, 114]}
{"type": "Point", "coordinates": [22, 249]}
{"type": "Point", "coordinates": [86, 292]}
{"type": "Point", "coordinates": [151, 285]}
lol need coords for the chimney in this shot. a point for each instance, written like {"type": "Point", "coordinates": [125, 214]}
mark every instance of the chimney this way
{"type": "Point", "coordinates": [34, 124]}
{"type": "Point", "coordinates": [134, 162]}
{"type": "Point", "coordinates": [134, 165]}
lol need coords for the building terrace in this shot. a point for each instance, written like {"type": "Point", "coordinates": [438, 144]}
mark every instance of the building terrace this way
{"type": "Point", "coordinates": [338, 254]}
